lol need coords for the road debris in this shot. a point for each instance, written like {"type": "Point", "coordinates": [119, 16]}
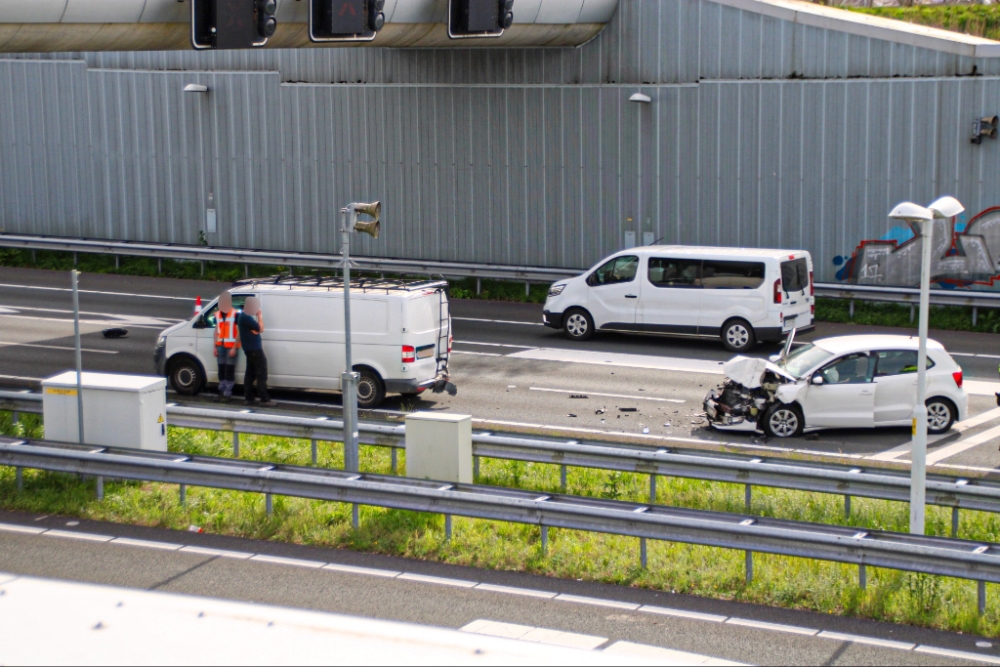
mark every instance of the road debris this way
{"type": "Point", "coordinates": [628, 409]}
{"type": "Point", "coordinates": [578, 396]}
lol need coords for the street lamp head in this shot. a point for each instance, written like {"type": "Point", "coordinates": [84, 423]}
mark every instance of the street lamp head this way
{"type": "Point", "coordinates": [909, 211]}
{"type": "Point", "coordinates": [946, 207]}
{"type": "Point", "coordinates": [639, 97]}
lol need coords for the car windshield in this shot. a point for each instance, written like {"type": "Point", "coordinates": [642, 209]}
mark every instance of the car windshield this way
{"type": "Point", "coordinates": [804, 359]}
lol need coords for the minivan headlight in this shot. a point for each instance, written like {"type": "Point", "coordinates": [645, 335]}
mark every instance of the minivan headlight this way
{"type": "Point", "coordinates": [556, 290]}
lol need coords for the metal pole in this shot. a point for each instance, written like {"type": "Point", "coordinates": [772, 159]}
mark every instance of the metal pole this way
{"type": "Point", "coordinates": [314, 452]}
{"type": "Point", "coordinates": [642, 552]}
{"type": "Point", "coordinates": [236, 444]}
{"type": "Point", "coordinates": [954, 522]}
{"type": "Point", "coordinates": [355, 519]}
{"type": "Point", "coordinates": [847, 507]}
{"type": "Point", "coordinates": [183, 494]}
{"type": "Point", "coordinates": [19, 475]}
{"type": "Point", "coordinates": [475, 468]}
{"type": "Point", "coordinates": [268, 504]}
{"type": "Point", "coordinates": [395, 461]}
{"type": "Point", "coordinates": [100, 488]}
{"type": "Point", "coordinates": [749, 567]}
{"type": "Point", "coordinates": [562, 478]}
{"type": "Point", "coordinates": [447, 527]}
{"type": "Point", "coordinates": [981, 590]}
{"type": "Point", "coordinates": [918, 469]}
{"type": "Point", "coordinates": [652, 489]}
{"type": "Point", "coordinates": [545, 540]}
{"type": "Point", "coordinates": [79, 354]}
{"type": "Point", "coordinates": [747, 497]}
{"type": "Point", "coordinates": [349, 379]}
{"type": "Point", "coordinates": [862, 576]}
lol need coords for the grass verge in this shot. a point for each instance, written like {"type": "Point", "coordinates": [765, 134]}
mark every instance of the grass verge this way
{"type": "Point", "coordinates": [979, 20]}
{"type": "Point", "coordinates": [891, 595]}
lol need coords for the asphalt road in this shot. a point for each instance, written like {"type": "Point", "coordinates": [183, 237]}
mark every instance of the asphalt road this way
{"type": "Point", "coordinates": [447, 595]}
{"type": "Point", "coordinates": [511, 371]}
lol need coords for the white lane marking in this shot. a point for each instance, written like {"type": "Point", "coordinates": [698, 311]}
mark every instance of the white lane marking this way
{"type": "Point", "coordinates": [621, 359]}
{"type": "Point", "coordinates": [963, 445]}
{"type": "Point", "coordinates": [960, 427]}
{"type": "Point", "coordinates": [443, 581]}
{"type": "Point", "coordinates": [137, 319]}
{"type": "Point", "coordinates": [858, 639]}
{"type": "Point", "coordinates": [91, 291]}
{"type": "Point", "coordinates": [980, 387]}
{"type": "Point", "coordinates": [975, 354]}
{"type": "Point", "coordinates": [14, 528]}
{"type": "Point", "coordinates": [367, 571]}
{"type": "Point", "coordinates": [513, 590]}
{"type": "Point", "coordinates": [4, 343]}
{"type": "Point", "coordinates": [479, 319]}
{"type": "Point", "coordinates": [519, 347]}
{"type": "Point", "coordinates": [293, 562]}
{"type": "Point", "coordinates": [600, 602]}
{"type": "Point", "coordinates": [961, 655]}
{"type": "Point", "coordinates": [146, 544]}
{"type": "Point", "coordinates": [529, 633]}
{"type": "Point", "coordinates": [596, 393]}
{"type": "Point", "coordinates": [982, 418]}
{"type": "Point", "coordinates": [683, 613]}
{"type": "Point", "coordinates": [665, 655]}
{"type": "Point", "coordinates": [477, 354]}
{"type": "Point", "coordinates": [955, 467]}
{"type": "Point", "coordinates": [147, 323]}
{"type": "Point", "coordinates": [777, 627]}
{"type": "Point", "coordinates": [90, 537]}
{"type": "Point", "coordinates": [221, 553]}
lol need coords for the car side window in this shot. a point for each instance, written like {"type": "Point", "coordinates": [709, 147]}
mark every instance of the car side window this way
{"type": "Point", "coordinates": [897, 362]}
{"type": "Point", "coordinates": [852, 369]}
{"type": "Point", "coordinates": [617, 270]}
{"type": "Point", "coordinates": [732, 275]}
{"type": "Point", "coordinates": [665, 272]}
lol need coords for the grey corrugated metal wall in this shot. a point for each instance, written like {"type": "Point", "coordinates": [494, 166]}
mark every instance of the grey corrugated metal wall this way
{"type": "Point", "coordinates": [530, 157]}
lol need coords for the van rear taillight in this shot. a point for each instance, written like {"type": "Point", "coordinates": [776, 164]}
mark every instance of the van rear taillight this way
{"type": "Point", "coordinates": [958, 378]}
{"type": "Point", "coordinates": [409, 354]}
{"type": "Point", "coordinates": [451, 340]}
{"type": "Point", "coordinates": [777, 290]}
{"type": "Point", "coordinates": [812, 285]}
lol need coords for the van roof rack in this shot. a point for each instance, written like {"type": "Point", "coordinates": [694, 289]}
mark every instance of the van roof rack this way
{"type": "Point", "coordinates": [336, 282]}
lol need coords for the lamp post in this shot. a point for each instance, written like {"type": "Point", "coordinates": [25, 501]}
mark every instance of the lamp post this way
{"type": "Point", "coordinates": [349, 378]}
{"type": "Point", "coordinates": [945, 207]}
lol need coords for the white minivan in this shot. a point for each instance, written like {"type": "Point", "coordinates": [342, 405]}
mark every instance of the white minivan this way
{"type": "Point", "coordinates": [739, 294]}
{"type": "Point", "coordinates": [400, 337]}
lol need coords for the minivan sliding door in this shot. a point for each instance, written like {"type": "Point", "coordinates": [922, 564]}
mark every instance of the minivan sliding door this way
{"type": "Point", "coordinates": [672, 296]}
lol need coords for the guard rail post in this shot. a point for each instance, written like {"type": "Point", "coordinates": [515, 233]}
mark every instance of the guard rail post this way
{"type": "Point", "coordinates": [862, 576]}
{"type": "Point", "coordinates": [447, 528]}
{"type": "Point", "coordinates": [981, 595]}
{"type": "Point", "coordinates": [268, 504]}
{"type": "Point", "coordinates": [847, 507]}
{"type": "Point", "coordinates": [183, 494]}
{"type": "Point", "coordinates": [954, 521]}
{"type": "Point", "coordinates": [100, 488]}
{"type": "Point", "coordinates": [545, 540]}
{"type": "Point", "coordinates": [19, 475]}
{"type": "Point", "coordinates": [642, 552]}
{"type": "Point", "coordinates": [236, 443]}
{"type": "Point", "coordinates": [562, 476]}
{"type": "Point", "coordinates": [652, 489]}
{"type": "Point", "coordinates": [314, 452]}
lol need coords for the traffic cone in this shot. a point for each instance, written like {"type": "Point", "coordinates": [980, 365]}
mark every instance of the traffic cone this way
{"type": "Point", "coordinates": [197, 306]}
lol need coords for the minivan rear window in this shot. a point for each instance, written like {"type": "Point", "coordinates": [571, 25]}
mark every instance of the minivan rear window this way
{"type": "Point", "coordinates": [732, 275]}
{"type": "Point", "coordinates": [795, 275]}
{"type": "Point", "coordinates": [663, 272]}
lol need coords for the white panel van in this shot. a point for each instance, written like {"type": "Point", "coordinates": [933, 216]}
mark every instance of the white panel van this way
{"type": "Point", "coordinates": [400, 337]}
{"type": "Point", "coordinates": [739, 295]}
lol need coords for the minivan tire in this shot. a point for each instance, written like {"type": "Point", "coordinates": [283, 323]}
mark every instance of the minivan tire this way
{"type": "Point", "coordinates": [371, 390]}
{"type": "Point", "coordinates": [738, 335]}
{"type": "Point", "coordinates": [578, 324]}
{"type": "Point", "coordinates": [941, 414]}
{"type": "Point", "coordinates": [783, 421]}
{"type": "Point", "coordinates": [186, 376]}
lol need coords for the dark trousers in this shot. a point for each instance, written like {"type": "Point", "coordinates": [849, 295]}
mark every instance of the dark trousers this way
{"type": "Point", "coordinates": [227, 371]}
{"type": "Point", "coordinates": [256, 372]}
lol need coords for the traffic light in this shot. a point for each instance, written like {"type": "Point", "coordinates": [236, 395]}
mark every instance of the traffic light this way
{"type": "Point", "coordinates": [232, 24]}
{"type": "Point", "coordinates": [984, 127]}
{"type": "Point", "coordinates": [345, 20]}
{"type": "Point", "coordinates": [479, 18]}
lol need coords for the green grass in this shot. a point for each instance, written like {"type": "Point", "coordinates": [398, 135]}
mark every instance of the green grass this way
{"type": "Point", "coordinates": [787, 582]}
{"type": "Point", "coordinates": [979, 20]}
{"type": "Point", "coordinates": [947, 318]}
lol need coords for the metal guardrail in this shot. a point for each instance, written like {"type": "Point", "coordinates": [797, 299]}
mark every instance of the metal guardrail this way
{"type": "Point", "coordinates": [917, 553]}
{"type": "Point", "coordinates": [838, 479]}
{"type": "Point", "coordinates": [430, 267]}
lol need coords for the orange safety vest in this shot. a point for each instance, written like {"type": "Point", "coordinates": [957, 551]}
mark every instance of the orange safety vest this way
{"type": "Point", "coordinates": [226, 328]}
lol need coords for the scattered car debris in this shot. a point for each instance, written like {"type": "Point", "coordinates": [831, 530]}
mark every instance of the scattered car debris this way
{"type": "Point", "coordinates": [599, 411]}
{"type": "Point", "coordinates": [628, 409]}
{"type": "Point", "coordinates": [645, 429]}
{"type": "Point", "coordinates": [571, 415]}
{"type": "Point", "coordinates": [578, 396]}
{"type": "Point", "coordinates": [115, 332]}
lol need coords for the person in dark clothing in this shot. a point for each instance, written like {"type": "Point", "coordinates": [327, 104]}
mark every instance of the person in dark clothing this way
{"type": "Point", "coordinates": [251, 326]}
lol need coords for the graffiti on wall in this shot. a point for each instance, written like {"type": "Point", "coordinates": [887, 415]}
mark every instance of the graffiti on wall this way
{"type": "Point", "coordinates": [964, 256]}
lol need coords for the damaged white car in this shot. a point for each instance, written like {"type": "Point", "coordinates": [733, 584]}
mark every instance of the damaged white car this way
{"type": "Point", "coordinates": [859, 381]}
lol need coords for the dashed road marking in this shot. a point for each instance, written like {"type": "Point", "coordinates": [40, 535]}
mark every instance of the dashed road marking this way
{"type": "Point", "coordinates": [777, 627]}
{"type": "Point", "coordinates": [529, 633]}
{"type": "Point", "coordinates": [676, 364]}
{"type": "Point", "coordinates": [963, 445]}
{"type": "Point", "coordinates": [480, 319]}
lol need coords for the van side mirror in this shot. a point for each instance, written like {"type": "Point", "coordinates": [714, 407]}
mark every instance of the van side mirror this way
{"type": "Point", "coordinates": [817, 379]}
{"type": "Point", "coordinates": [199, 323]}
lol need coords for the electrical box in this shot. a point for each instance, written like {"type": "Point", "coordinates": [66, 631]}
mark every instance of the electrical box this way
{"type": "Point", "coordinates": [118, 410]}
{"type": "Point", "coordinates": [439, 447]}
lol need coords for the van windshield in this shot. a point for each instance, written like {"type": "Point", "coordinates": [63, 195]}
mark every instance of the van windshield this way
{"type": "Point", "coordinates": [804, 359]}
{"type": "Point", "coordinates": [795, 275]}
{"type": "Point", "coordinates": [210, 314]}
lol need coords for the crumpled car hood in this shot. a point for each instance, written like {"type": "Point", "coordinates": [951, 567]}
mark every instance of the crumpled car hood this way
{"type": "Point", "coordinates": [747, 371]}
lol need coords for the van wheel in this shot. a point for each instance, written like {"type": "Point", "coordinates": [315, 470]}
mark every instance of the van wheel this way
{"type": "Point", "coordinates": [578, 323]}
{"type": "Point", "coordinates": [783, 421]}
{"type": "Point", "coordinates": [186, 376]}
{"type": "Point", "coordinates": [738, 336]}
{"type": "Point", "coordinates": [941, 414]}
{"type": "Point", "coordinates": [371, 390]}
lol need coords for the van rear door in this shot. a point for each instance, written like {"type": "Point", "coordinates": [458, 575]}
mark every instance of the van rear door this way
{"type": "Point", "coordinates": [796, 289]}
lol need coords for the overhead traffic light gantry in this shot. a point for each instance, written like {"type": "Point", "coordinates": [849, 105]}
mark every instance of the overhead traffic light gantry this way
{"type": "Point", "coordinates": [479, 18]}
{"type": "Point", "coordinates": [232, 24]}
{"type": "Point", "coordinates": [345, 20]}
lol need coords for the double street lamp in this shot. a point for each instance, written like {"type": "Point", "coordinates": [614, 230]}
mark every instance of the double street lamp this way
{"type": "Point", "coordinates": [916, 215]}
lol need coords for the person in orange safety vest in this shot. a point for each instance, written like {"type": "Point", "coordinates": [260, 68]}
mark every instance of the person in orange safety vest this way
{"type": "Point", "coordinates": [227, 344]}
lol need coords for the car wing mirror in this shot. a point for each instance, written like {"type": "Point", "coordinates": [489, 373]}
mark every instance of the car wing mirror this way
{"type": "Point", "coordinates": [817, 379]}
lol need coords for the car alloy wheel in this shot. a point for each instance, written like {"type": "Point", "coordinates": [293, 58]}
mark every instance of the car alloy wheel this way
{"type": "Point", "coordinates": [577, 325]}
{"type": "Point", "coordinates": [783, 422]}
{"type": "Point", "coordinates": [939, 416]}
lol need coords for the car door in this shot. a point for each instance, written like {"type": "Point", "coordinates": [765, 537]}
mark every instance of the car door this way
{"type": "Point", "coordinates": [614, 293]}
{"type": "Point", "coordinates": [895, 386]}
{"type": "Point", "coordinates": [671, 296]}
{"type": "Point", "coordinates": [846, 397]}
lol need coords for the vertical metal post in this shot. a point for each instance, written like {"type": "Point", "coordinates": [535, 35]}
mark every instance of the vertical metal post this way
{"type": "Point", "coordinates": [183, 494]}
{"type": "Point", "coordinates": [642, 552]}
{"type": "Point", "coordinates": [236, 444]}
{"type": "Point", "coordinates": [246, 270]}
{"type": "Point", "coordinates": [545, 540]}
{"type": "Point", "coordinates": [479, 286]}
{"type": "Point", "coordinates": [981, 590]}
{"type": "Point", "coordinates": [395, 461]}
{"type": "Point", "coordinates": [975, 315]}
{"type": "Point", "coordinates": [747, 498]}
{"type": "Point", "coordinates": [847, 507]}
{"type": "Point", "coordinates": [19, 475]}
{"type": "Point", "coordinates": [268, 504]}
{"type": "Point", "coordinates": [562, 478]}
{"type": "Point", "coordinates": [447, 527]}
{"type": "Point", "coordinates": [527, 289]}
{"type": "Point", "coordinates": [862, 576]}
{"type": "Point", "coordinates": [918, 469]}
{"type": "Point", "coordinates": [355, 521]}
{"type": "Point", "coordinates": [15, 417]}
{"type": "Point", "coordinates": [652, 489]}
{"type": "Point", "coordinates": [79, 352]}
{"type": "Point", "coordinates": [202, 267]}
{"type": "Point", "coordinates": [117, 265]}
{"type": "Point", "coordinates": [100, 488]}
{"type": "Point", "coordinates": [314, 452]}
{"type": "Point", "coordinates": [913, 312]}
{"type": "Point", "coordinates": [349, 379]}
{"type": "Point", "coordinates": [74, 259]}
{"type": "Point", "coordinates": [749, 567]}
{"type": "Point", "coordinates": [954, 522]}
{"type": "Point", "coordinates": [475, 468]}
{"type": "Point", "coordinates": [851, 310]}
{"type": "Point", "coordinates": [159, 265]}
